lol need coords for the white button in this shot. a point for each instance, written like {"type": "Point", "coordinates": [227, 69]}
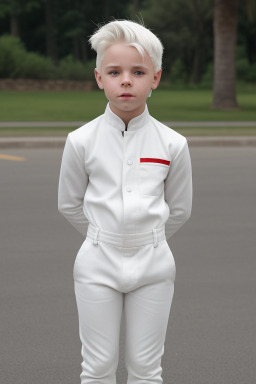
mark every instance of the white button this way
{"type": "Point", "coordinates": [129, 162]}
{"type": "Point", "coordinates": [128, 189]}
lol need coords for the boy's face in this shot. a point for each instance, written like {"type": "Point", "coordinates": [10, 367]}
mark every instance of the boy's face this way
{"type": "Point", "coordinates": [127, 79]}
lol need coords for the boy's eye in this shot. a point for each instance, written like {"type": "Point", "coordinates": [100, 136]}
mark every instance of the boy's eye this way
{"type": "Point", "coordinates": [114, 73]}
{"type": "Point", "coordinates": [139, 73]}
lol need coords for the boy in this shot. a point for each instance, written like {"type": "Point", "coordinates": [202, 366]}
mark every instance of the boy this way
{"type": "Point", "coordinates": [126, 185]}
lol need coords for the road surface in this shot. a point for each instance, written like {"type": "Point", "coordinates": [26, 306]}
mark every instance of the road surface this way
{"type": "Point", "coordinates": [211, 331]}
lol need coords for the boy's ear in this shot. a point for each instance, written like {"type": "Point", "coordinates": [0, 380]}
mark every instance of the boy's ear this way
{"type": "Point", "coordinates": [157, 77]}
{"type": "Point", "coordinates": [98, 78]}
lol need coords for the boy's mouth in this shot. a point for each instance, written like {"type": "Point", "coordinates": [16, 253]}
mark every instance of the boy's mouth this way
{"type": "Point", "coordinates": [126, 95]}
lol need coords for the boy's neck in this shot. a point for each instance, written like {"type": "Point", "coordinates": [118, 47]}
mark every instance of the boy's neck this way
{"type": "Point", "coordinates": [129, 115]}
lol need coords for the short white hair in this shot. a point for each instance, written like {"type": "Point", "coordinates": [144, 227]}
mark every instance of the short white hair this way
{"type": "Point", "coordinates": [131, 33]}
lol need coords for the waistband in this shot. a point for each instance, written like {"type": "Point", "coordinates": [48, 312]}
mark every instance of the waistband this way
{"type": "Point", "coordinates": [126, 240]}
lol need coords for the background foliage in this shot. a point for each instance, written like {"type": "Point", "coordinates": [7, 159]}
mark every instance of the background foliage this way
{"type": "Point", "coordinates": [48, 38]}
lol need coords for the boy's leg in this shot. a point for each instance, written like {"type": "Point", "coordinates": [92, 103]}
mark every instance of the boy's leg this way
{"type": "Point", "coordinates": [99, 311]}
{"type": "Point", "coordinates": [146, 314]}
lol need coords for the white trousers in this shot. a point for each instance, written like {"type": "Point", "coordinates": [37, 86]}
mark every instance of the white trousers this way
{"type": "Point", "coordinates": [138, 279]}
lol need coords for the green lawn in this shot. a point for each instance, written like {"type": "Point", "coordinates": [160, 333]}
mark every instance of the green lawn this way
{"type": "Point", "coordinates": [202, 131]}
{"type": "Point", "coordinates": [164, 105]}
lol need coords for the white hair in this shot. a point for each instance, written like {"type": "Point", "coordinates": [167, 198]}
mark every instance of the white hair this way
{"type": "Point", "coordinates": [131, 33]}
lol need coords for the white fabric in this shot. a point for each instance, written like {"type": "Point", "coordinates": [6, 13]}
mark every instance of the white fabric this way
{"type": "Point", "coordinates": [126, 240]}
{"type": "Point", "coordinates": [102, 180]}
{"type": "Point", "coordinates": [125, 263]}
{"type": "Point", "coordinates": [135, 281]}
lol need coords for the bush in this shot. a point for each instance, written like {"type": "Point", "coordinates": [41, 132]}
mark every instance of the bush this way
{"type": "Point", "coordinates": [242, 68]}
{"type": "Point", "coordinates": [16, 62]}
{"type": "Point", "coordinates": [36, 66]}
{"type": "Point", "coordinates": [244, 71]}
{"type": "Point", "coordinates": [240, 52]}
{"type": "Point", "coordinates": [89, 68]}
{"type": "Point", "coordinates": [207, 78]}
{"type": "Point", "coordinates": [251, 74]}
{"type": "Point", "coordinates": [12, 54]}
{"type": "Point", "coordinates": [70, 69]}
{"type": "Point", "coordinates": [178, 73]}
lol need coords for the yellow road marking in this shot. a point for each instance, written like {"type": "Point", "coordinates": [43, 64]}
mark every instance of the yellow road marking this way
{"type": "Point", "coordinates": [13, 158]}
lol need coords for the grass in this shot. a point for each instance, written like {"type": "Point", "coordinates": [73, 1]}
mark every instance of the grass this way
{"type": "Point", "coordinates": [164, 105]}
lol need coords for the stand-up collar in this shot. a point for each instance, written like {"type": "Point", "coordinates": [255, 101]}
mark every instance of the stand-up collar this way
{"type": "Point", "coordinates": [134, 124]}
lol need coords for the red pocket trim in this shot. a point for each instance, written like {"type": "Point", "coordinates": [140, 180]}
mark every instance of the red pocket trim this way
{"type": "Point", "coordinates": [153, 160]}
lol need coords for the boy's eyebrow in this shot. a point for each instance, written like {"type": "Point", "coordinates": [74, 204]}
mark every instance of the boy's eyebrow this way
{"type": "Point", "coordinates": [140, 66]}
{"type": "Point", "coordinates": [118, 66]}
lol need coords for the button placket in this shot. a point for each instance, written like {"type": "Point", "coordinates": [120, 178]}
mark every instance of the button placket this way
{"type": "Point", "coordinates": [129, 188]}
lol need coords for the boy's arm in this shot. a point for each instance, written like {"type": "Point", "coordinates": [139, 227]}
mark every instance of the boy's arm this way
{"type": "Point", "coordinates": [72, 186]}
{"type": "Point", "coordinates": [178, 191]}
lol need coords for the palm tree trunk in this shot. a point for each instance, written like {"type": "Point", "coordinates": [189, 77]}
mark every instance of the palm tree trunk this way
{"type": "Point", "coordinates": [225, 32]}
{"type": "Point", "coordinates": [14, 25]}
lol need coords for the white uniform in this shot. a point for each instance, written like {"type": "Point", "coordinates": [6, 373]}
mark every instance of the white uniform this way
{"type": "Point", "coordinates": [134, 190]}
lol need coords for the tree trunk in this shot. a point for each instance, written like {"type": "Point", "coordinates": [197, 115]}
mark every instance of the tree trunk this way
{"type": "Point", "coordinates": [50, 33]}
{"type": "Point", "coordinates": [199, 17]}
{"type": "Point", "coordinates": [106, 9]}
{"type": "Point", "coordinates": [197, 65]}
{"type": "Point", "coordinates": [225, 31]}
{"type": "Point", "coordinates": [76, 48]}
{"type": "Point", "coordinates": [14, 26]}
{"type": "Point", "coordinates": [83, 49]}
{"type": "Point", "coordinates": [136, 4]}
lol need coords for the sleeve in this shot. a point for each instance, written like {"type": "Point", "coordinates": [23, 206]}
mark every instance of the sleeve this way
{"type": "Point", "coordinates": [178, 191]}
{"type": "Point", "coordinates": [73, 182]}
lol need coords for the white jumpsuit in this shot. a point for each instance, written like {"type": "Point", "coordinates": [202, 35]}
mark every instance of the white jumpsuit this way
{"type": "Point", "coordinates": [127, 192]}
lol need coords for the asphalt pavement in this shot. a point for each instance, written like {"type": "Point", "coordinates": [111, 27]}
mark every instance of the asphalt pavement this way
{"type": "Point", "coordinates": [211, 331]}
{"type": "Point", "coordinates": [193, 141]}
{"type": "Point", "coordinates": [58, 142]}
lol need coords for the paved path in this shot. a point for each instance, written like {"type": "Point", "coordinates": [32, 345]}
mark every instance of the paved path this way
{"type": "Point", "coordinates": [27, 124]}
{"type": "Point", "coordinates": [49, 142]}
{"type": "Point", "coordinates": [211, 331]}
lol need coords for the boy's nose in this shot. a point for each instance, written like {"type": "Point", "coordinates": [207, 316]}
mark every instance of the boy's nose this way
{"type": "Point", "coordinates": [126, 80]}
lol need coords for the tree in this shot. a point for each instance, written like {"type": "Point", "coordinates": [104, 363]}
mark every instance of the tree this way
{"type": "Point", "coordinates": [14, 9]}
{"type": "Point", "coordinates": [225, 38]}
{"type": "Point", "coordinates": [51, 48]}
{"type": "Point", "coordinates": [225, 35]}
{"type": "Point", "coordinates": [184, 28]}
{"type": "Point", "coordinates": [79, 18]}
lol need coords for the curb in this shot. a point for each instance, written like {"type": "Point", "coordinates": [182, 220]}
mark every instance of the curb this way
{"type": "Point", "coordinates": [222, 141]}
{"type": "Point", "coordinates": [195, 141]}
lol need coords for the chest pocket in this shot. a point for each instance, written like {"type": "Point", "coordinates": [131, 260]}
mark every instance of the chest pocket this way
{"type": "Point", "coordinates": [152, 173]}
